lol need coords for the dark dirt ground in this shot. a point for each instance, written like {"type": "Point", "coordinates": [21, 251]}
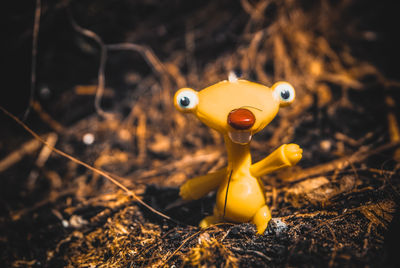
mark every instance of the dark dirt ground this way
{"type": "Point", "coordinates": [340, 204]}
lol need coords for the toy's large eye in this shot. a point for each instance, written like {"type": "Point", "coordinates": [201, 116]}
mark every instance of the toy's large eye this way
{"type": "Point", "coordinates": [284, 92]}
{"type": "Point", "coordinates": [186, 99]}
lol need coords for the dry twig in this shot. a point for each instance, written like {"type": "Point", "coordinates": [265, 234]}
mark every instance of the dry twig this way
{"type": "Point", "coordinates": [102, 65]}
{"type": "Point", "coordinates": [16, 156]}
{"type": "Point", "coordinates": [36, 25]}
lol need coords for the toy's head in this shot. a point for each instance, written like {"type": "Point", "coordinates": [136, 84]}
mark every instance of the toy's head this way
{"type": "Point", "coordinates": [236, 108]}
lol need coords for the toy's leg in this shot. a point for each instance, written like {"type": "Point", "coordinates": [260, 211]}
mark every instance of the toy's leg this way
{"type": "Point", "coordinates": [210, 220]}
{"type": "Point", "coordinates": [261, 219]}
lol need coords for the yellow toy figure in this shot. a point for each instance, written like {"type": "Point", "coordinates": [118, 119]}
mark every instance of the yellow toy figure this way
{"type": "Point", "coordinates": [238, 109]}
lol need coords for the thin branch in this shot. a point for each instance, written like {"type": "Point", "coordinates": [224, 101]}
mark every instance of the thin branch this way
{"type": "Point", "coordinates": [38, 10]}
{"type": "Point", "coordinates": [182, 244]}
{"type": "Point", "coordinates": [47, 118]}
{"type": "Point", "coordinates": [202, 230]}
{"type": "Point", "coordinates": [258, 253]}
{"type": "Point", "coordinates": [102, 65]}
{"type": "Point", "coordinates": [17, 155]}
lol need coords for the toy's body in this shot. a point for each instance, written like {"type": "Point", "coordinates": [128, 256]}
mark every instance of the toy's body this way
{"type": "Point", "coordinates": [238, 109]}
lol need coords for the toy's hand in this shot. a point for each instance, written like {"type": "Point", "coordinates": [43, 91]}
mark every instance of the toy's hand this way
{"type": "Point", "coordinates": [293, 153]}
{"type": "Point", "coordinates": [185, 191]}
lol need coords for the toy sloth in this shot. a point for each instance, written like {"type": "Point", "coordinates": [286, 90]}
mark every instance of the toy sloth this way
{"type": "Point", "coordinates": [238, 109]}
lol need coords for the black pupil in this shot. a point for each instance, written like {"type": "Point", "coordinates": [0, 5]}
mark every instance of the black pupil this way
{"type": "Point", "coordinates": [184, 101]}
{"type": "Point", "coordinates": [285, 94]}
{"type": "Point", "coordinates": [238, 72]}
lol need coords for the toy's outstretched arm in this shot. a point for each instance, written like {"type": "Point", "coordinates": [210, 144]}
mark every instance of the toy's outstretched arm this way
{"type": "Point", "coordinates": [200, 186]}
{"type": "Point", "coordinates": [285, 156]}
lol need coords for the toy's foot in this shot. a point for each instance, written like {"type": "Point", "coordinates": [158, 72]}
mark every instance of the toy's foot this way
{"type": "Point", "coordinates": [207, 221]}
{"type": "Point", "coordinates": [275, 226]}
{"type": "Point", "coordinates": [261, 219]}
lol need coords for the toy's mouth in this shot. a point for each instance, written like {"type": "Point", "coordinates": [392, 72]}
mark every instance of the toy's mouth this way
{"type": "Point", "coordinates": [241, 120]}
{"type": "Point", "coordinates": [240, 137]}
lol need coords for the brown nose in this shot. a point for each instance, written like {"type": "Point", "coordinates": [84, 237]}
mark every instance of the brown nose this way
{"type": "Point", "coordinates": [241, 119]}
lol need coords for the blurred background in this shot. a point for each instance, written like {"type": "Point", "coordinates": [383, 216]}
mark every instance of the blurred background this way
{"type": "Point", "coordinates": [104, 76]}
